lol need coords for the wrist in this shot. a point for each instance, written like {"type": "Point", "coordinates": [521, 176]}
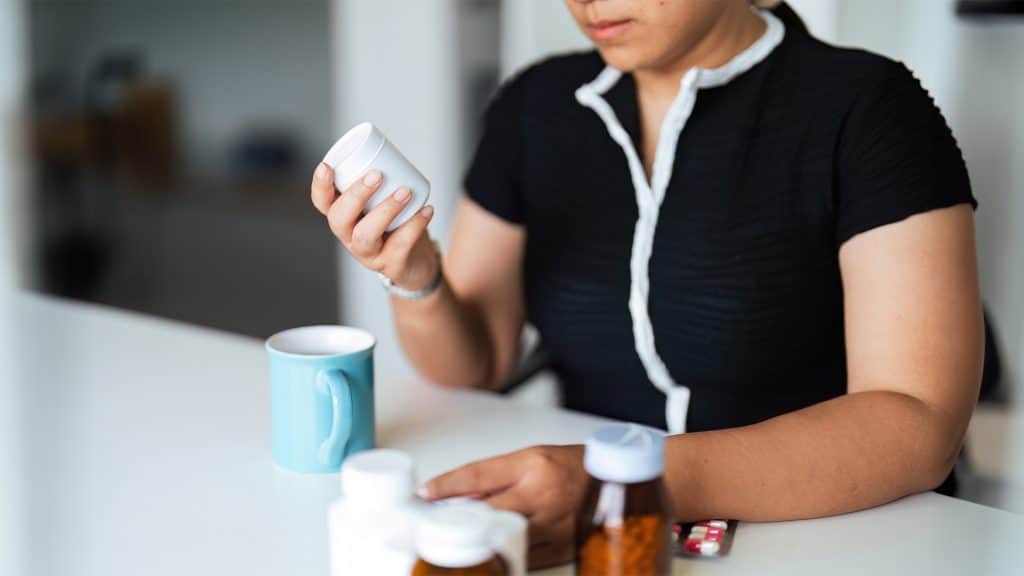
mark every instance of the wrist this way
{"type": "Point", "coordinates": [682, 478]}
{"type": "Point", "coordinates": [420, 280]}
{"type": "Point", "coordinates": [422, 271]}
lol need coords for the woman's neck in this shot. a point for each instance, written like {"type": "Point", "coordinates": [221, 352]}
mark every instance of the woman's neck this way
{"type": "Point", "coordinates": [733, 33]}
{"type": "Point", "coordinates": [657, 88]}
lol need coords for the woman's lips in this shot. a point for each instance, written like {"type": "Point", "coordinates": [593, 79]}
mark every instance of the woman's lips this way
{"type": "Point", "coordinates": [608, 29]}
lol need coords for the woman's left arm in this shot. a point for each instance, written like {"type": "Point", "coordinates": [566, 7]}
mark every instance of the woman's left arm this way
{"type": "Point", "coordinates": [914, 345]}
{"type": "Point", "coordinates": [914, 341]}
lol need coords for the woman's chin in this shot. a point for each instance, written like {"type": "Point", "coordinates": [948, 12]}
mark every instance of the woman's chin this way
{"type": "Point", "coordinates": [625, 58]}
{"type": "Point", "coordinates": [621, 58]}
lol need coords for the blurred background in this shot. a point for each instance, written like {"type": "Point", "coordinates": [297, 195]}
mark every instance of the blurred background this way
{"type": "Point", "coordinates": [171, 145]}
{"type": "Point", "coordinates": [156, 155]}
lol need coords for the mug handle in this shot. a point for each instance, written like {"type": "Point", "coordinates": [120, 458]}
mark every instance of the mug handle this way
{"type": "Point", "coordinates": [335, 383]}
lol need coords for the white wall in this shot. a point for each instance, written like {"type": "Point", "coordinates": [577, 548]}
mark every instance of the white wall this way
{"type": "Point", "coordinates": [401, 74]}
{"type": "Point", "coordinates": [820, 16]}
{"type": "Point", "coordinates": [12, 542]}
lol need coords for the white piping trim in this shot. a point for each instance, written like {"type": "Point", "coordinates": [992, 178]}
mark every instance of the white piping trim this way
{"type": "Point", "coordinates": [650, 196]}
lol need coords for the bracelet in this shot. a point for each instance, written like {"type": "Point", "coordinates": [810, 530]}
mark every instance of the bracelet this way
{"type": "Point", "coordinates": [420, 294]}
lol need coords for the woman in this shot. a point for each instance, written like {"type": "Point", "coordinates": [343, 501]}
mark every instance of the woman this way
{"type": "Point", "coordinates": [720, 225]}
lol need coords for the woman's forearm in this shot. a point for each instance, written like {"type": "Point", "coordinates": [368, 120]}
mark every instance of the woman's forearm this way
{"type": "Point", "coordinates": [852, 452]}
{"type": "Point", "coordinates": [445, 339]}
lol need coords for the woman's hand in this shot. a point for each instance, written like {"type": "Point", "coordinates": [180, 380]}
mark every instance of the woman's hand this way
{"type": "Point", "coordinates": [406, 255]}
{"type": "Point", "coordinates": [544, 483]}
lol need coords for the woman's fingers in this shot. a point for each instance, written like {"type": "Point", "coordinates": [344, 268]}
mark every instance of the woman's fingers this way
{"type": "Point", "coordinates": [321, 190]}
{"type": "Point", "coordinates": [402, 255]}
{"type": "Point", "coordinates": [345, 212]}
{"type": "Point", "coordinates": [514, 500]}
{"type": "Point", "coordinates": [400, 242]}
{"type": "Point", "coordinates": [368, 234]}
{"type": "Point", "coordinates": [482, 477]}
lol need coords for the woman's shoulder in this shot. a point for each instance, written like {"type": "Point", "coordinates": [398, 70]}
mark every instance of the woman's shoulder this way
{"type": "Point", "coordinates": [894, 153]}
{"type": "Point", "coordinates": [847, 73]}
{"type": "Point", "coordinates": [867, 91]}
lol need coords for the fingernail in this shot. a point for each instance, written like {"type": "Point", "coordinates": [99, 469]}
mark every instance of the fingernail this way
{"type": "Point", "coordinates": [422, 492]}
{"type": "Point", "coordinates": [372, 178]}
{"type": "Point", "coordinates": [321, 171]}
{"type": "Point", "coordinates": [427, 211]}
{"type": "Point", "coordinates": [402, 194]}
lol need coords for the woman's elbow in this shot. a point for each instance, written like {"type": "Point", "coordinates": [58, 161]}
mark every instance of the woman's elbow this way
{"type": "Point", "coordinates": [481, 375]}
{"type": "Point", "coordinates": [943, 444]}
{"type": "Point", "coordinates": [938, 470]}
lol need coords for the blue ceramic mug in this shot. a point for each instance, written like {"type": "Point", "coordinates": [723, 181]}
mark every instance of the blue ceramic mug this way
{"type": "Point", "coordinates": [321, 396]}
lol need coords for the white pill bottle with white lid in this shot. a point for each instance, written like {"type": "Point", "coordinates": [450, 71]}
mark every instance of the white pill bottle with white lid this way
{"type": "Point", "coordinates": [370, 527]}
{"type": "Point", "coordinates": [508, 532]}
{"type": "Point", "coordinates": [457, 540]}
{"type": "Point", "coordinates": [363, 148]}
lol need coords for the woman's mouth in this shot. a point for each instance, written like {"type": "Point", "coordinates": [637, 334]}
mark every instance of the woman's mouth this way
{"type": "Point", "coordinates": [608, 29]}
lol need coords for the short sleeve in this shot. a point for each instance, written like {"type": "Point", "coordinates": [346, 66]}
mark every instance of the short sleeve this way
{"type": "Point", "coordinates": [897, 157]}
{"type": "Point", "coordinates": [494, 179]}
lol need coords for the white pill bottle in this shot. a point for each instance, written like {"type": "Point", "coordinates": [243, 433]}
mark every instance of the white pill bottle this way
{"type": "Point", "coordinates": [370, 528]}
{"type": "Point", "coordinates": [364, 148]}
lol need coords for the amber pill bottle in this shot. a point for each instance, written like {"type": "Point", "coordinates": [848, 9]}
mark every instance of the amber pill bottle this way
{"type": "Point", "coordinates": [455, 540]}
{"type": "Point", "coordinates": [624, 526]}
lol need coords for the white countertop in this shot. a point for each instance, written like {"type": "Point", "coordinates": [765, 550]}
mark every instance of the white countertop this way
{"type": "Point", "coordinates": [149, 453]}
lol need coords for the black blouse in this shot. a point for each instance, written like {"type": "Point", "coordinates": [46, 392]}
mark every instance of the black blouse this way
{"type": "Point", "coordinates": [773, 172]}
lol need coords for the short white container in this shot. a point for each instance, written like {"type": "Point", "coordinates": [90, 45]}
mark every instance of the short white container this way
{"type": "Point", "coordinates": [370, 528]}
{"type": "Point", "coordinates": [455, 536]}
{"type": "Point", "coordinates": [508, 532]}
{"type": "Point", "coordinates": [365, 148]}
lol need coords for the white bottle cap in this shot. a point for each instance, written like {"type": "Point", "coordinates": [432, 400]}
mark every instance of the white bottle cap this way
{"type": "Point", "coordinates": [626, 453]}
{"type": "Point", "coordinates": [377, 478]}
{"type": "Point", "coordinates": [455, 536]}
{"type": "Point", "coordinates": [352, 154]}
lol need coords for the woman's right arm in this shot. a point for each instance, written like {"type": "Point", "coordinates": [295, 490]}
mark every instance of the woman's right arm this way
{"type": "Point", "coordinates": [465, 334]}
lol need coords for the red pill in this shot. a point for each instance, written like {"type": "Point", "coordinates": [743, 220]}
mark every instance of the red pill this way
{"type": "Point", "coordinates": [703, 547]}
